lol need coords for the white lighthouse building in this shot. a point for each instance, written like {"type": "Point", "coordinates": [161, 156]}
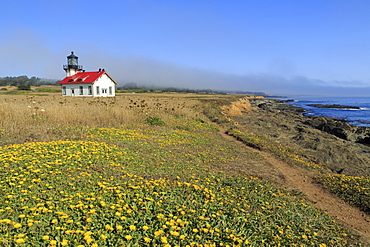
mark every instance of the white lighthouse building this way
{"type": "Point", "coordinates": [79, 83]}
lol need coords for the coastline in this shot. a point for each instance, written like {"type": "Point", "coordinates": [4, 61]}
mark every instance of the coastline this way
{"type": "Point", "coordinates": [336, 144]}
{"type": "Point", "coordinates": [354, 110]}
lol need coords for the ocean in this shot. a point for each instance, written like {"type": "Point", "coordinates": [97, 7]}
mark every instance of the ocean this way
{"type": "Point", "coordinates": [358, 117]}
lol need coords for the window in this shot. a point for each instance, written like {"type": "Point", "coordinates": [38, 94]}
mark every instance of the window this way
{"type": "Point", "coordinates": [110, 91]}
{"type": "Point", "coordinates": [64, 90]}
{"type": "Point", "coordinates": [81, 90]}
{"type": "Point", "coordinates": [104, 91]}
{"type": "Point", "coordinates": [89, 90]}
{"type": "Point", "coordinates": [97, 90]}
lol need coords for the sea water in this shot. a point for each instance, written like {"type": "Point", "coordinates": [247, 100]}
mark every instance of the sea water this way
{"type": "Point", "coordinates": [358, 117]}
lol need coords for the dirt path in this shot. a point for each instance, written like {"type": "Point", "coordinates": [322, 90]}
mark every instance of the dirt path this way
{"type": "Point", "coordinates": [300, 179]}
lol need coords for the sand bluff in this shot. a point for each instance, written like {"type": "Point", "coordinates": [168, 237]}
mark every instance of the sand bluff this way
{"type": "Point", "coordinates": [79, 83]}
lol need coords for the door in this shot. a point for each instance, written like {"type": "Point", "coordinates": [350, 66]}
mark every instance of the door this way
{"type": "Point", "coordinates": [104, 92]}
{"type": "Point", "coordinates": [72, 92]}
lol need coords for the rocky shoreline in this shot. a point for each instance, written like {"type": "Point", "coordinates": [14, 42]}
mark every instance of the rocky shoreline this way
{"type": "Point", "coordinates": [335, 106]}
{"type": "Point", "coordinates": [339, 146]}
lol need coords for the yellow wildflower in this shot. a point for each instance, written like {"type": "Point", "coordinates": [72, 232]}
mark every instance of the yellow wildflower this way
{"type": "Point", "coordinates": [20, 240]}
{"type": "Point", "coordinates": [53, 242]}
{"type": "Point", "coordinates": [157, 233]}
{"type": "Point", "coordinates": [174, 233]}
{"type": "Point", "coordinates": [108, 227]}
{"type": "Point", "coordinates": [17, 225]}
{"type": "Point", "coordinates": [164, 240]}
{"type": "Point", "coordinates": [145, 228]}
{"type": "Point", "coordinates": [132, 227]}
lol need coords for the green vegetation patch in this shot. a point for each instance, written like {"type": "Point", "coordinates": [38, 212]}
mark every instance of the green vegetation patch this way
{"type": "Point", "coordinates": [354, 190]}
{"type": "Point", "coordinates": [286, 153]}
{"type": "Point", "coordinates": [48, 90]}
{"type": "Point", "coordinates": [88, 193]}
{"type": "Point", "coordinates": [154, 121]}
{"type": "Point", "coordinates": [168, 151]}
{"type": "Point", "coordinates": [15, 92]}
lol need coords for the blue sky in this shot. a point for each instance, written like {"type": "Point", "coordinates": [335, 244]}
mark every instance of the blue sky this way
{"type": "Point", "coordinates": [278, 47]}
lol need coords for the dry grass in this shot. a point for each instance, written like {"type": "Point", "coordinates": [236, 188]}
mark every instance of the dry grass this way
{"type": "Point", "coordinates": [36, 118]}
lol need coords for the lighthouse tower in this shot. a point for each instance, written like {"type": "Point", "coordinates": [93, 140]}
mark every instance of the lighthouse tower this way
{"type": "Point", "coordinates": [72, 66]}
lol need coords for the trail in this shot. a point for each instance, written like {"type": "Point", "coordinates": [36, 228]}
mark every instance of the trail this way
{"type": "Point", "coordinates": [300, 179]}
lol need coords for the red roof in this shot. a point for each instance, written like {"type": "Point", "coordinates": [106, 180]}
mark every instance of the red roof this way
{"type": "Point", "coordinates": [83, 77]}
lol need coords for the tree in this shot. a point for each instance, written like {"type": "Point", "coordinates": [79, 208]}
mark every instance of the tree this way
{"type": "Point", "coordinates": [3, 82]}
{"type": "Point", "coordinates": [22, 80]}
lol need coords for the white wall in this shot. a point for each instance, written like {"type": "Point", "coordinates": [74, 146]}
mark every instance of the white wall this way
{"type": "Point", "coordinates": [76, 87]}
{"type": "Point", "coordinates": [104, 82]}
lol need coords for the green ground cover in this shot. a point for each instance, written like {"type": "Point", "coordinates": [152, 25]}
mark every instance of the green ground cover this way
{"type": "Point", "coordinates": [148, 185]}
{"type": "Point", "coordinates": [354, 190]}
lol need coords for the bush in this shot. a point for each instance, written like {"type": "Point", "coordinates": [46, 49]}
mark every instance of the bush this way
{"type": "Point", "coordinates": [154, 121]}
{"type": "Point", "coordinates": [24, 87]}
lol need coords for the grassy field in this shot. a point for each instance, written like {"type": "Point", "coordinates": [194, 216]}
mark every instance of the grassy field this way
{"type": "Point", "coordinates": [139, 170]}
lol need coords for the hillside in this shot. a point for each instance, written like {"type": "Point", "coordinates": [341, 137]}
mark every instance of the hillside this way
{"type": "Point", "coordinates": [154, 170]}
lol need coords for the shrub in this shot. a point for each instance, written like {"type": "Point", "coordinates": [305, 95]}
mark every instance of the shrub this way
{"type": "Point", "coordinates": [154, 121]}
{"type": "Point", "coordinates": [24, 87]}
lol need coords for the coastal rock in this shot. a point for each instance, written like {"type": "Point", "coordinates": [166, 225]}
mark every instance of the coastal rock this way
{"type": "Point", "coordinates": [274, 104]}
{"type": "Point", "coordinates": [335, 106]}
{"type": "Point", "coordinates": [340, 128]}
{"type": "Point", "coordinates": [336, 144]}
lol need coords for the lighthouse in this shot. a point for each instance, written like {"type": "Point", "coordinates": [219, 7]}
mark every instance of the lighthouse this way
{"type": "Point", "coordinates": [72, 66]}
{"type": "Point", "coordinates": [79, 83]}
